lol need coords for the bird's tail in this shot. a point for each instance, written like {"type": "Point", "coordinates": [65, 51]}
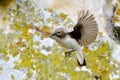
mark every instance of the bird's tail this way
{"type": "Point", "coordinates": [80, 58]}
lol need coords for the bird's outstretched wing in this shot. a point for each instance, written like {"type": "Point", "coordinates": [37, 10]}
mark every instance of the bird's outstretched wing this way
{"type": "Point", "coordinates": [87, 26]}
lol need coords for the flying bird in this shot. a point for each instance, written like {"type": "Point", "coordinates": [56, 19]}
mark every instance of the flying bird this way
{"type": "Point", "coordinates": [83, 34]}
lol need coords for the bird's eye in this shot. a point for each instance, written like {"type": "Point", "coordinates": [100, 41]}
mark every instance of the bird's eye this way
{"type": "Point", "coordinates": [59, 32]}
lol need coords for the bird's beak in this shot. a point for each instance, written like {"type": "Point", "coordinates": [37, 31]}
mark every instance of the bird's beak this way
{"type": "Point", "coordinates": [54, 34]}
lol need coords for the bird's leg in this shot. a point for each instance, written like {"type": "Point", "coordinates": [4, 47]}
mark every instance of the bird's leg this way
{"type": "Point", "coordinates": [68, 53]}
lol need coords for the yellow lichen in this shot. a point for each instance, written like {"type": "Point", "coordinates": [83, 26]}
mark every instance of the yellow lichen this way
{"type": "Point", "coordinates": [118, 12]}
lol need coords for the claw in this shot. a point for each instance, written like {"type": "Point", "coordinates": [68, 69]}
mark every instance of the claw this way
{"type": "Point", "coordinates": [68, 53]}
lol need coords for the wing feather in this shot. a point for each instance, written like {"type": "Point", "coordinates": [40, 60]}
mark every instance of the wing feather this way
{"type": "Point", "coordinates": [89, 30]}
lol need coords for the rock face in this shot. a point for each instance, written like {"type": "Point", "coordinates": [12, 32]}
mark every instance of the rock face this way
{"type": "Point", "coordinates": [4, 5]}
{"type": "Point", "coordinates": [107, 14]}
{"type": "Point", "coordinates": [116, 21]}
{"type": "Point", "coordinates": [72, 7]}
{"type": "Point", "coordinates": [113, 21]}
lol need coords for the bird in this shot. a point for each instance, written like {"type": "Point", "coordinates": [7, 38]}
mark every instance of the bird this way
{"type": "Point", "coordinates": [83, 34]}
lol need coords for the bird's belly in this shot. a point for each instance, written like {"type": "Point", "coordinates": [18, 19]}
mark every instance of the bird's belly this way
{"type": "Point", "coordinates": [71, 43]}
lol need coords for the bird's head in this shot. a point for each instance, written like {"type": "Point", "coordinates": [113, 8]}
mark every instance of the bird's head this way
{"type": "Point", "coordinates": [60, 33]}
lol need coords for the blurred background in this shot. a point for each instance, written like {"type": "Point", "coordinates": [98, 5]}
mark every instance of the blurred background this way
{"type": "Point", "coordinates": [26, 54]}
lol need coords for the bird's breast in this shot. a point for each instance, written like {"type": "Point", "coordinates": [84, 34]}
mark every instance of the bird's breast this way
{"type": "Point", "coordinates": [71, 43]}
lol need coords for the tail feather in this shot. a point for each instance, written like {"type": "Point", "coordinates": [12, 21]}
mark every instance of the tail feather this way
{"type": "Point", "coordinates": [80, 58]}
{"type": "Point", "coordinates": [84, 63]}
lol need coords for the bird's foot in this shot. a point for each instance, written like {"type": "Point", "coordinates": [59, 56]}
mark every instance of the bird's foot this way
{"type": "Point", "coordinates": [68, 53]}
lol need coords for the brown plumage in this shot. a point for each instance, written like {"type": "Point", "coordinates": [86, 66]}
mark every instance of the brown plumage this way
{"type": "Point", "coordinates": [89, 28]}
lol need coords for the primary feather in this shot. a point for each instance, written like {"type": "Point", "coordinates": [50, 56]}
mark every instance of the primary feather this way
{"type": "Point", "coordinates": [88, 28]}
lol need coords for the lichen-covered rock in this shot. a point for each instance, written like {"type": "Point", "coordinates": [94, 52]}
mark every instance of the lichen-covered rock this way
{"type": "Point", "coordinates": [116, 22]}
